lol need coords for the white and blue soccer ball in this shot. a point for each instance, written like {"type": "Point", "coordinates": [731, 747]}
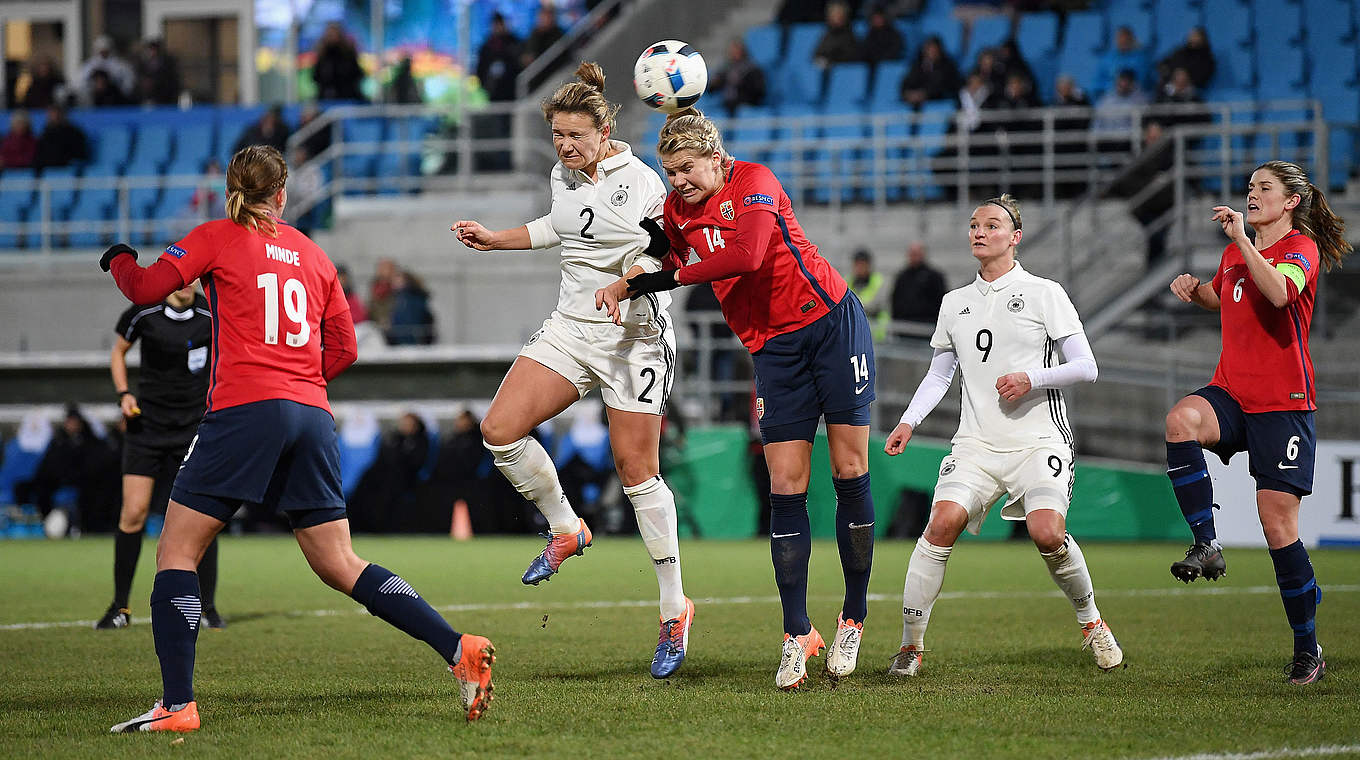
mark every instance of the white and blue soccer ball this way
{"type": "Point", "coordinates": [670, 76]}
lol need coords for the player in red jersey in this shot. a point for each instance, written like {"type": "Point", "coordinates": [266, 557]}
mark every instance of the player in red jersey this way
{"type": "Point", "coordinates": [813, 353]}
{"type": "Point", "coordinates": [282, 330]}
{"type": "Point", "coordinates": [1261, 399]}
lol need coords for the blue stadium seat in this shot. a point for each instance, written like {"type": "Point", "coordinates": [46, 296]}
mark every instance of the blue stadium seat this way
{"type": "Point", "coordinates": [19, 465]}
{"type": "Point", "coordinates": [987, 32]}
{"type": "Point", "coordinates": [1134, 16]}
{"type": "Point", "coordinates": [1085, 30]}
{"type": "Point", "coordinates": [841, 161]}
{"type": "Point", "coordinates": [1236, 62]}
{"type": "Point", "coordinates": [1277, 21]}
{"type": "Point", "coordinates": [764, 44]}
{"type": "Point", "coordinates": [1288, 144]}
{"type": "Point", "coordinates": [1331, 64]}
{"type": "Point", "coordinates": [154, 147]}
{"type": "Point", "coordinates": [59, 200]}
{"type": "Point", "coordinates": [1173, 21]}
{"type": "Point", "coordinates": [847, 86]}
{"type": "Point", "coordinates": [194, 145]}
{"type": "Point", "coordinates": [800, 80]}
{"type": "Point", "coordinates": [1333, 19]}
{"type": "Point", "coordinates": [1037, 35]}
{"type": "Point", "coordinates": [746, 134]}
{"type": "Point", "coordinates": [1282, 76]}
{"type": "Point", "coordinates": [110, 145]}
{"type": "Point", "coordinates": [361, 132]}
{"type": "Point", "coordinates": [357, 454]}
{"type": "Point", "coordinates": [885, 92]}
{"type": "Point", "coordinates": [950, 32]}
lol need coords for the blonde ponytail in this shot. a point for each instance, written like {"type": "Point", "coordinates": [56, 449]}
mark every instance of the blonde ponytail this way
{"type": "Point", "coordinates": [254, 175]}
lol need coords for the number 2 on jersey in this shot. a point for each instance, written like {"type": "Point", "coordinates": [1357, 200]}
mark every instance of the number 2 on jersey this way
{"type": "Point", "coordinates": [294, 305]}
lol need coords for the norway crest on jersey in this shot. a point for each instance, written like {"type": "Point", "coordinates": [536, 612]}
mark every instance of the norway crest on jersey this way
{"type": "Point", "coordinates": [726, 210]}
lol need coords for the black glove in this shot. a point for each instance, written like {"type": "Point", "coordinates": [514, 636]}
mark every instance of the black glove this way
{"type": "Point", "coordinates": [651, 282]}
{"type": "Point", "coordinates": [115, 250]}
{"type": "Point", "coordinates": [660, 244]}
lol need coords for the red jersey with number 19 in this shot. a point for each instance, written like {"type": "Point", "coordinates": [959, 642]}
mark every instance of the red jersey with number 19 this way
{"type": "Point", "coordinates": [790, 286]}
{"type": "Point", "coordinates": [269, 297]}
{"type": "Point", "coordinates": [1265, 365]}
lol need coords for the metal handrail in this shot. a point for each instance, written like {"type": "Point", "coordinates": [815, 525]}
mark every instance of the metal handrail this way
{"type": "Point", "coordinates": [579, 30]}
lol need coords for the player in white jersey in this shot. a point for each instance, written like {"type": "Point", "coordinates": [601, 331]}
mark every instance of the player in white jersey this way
{"type": "Point", "coordinates": [604, 205]}
{"type": "Point", "coordinates": [1004, 331]}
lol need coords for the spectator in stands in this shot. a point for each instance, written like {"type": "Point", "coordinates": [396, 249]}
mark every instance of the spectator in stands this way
{"type": "Point", "coordinates": [404, 88]}
{"type": "Point", "coordinates": [19, 148]}
{"type": "Point", "coordinates": [385, 500]}
{"type": "Point", "coordinates": [120, 74]}
{"type": "Point", "coordinates": [381, 293]}
{"type": "Point", "coordinates": [972, 97]}
{"type": "Point", "coordinates": [1067, 93]}
{"type": "Point", "coordinates": [740, 80]}
{"type": "Point", "coordinates": [544, 35]}
{"type": "Point", "coordinates": [77, 457]}
{"type": "Point", "coordinates": [157, 75]}
{"type": "Point", "coordinates": [883, 41]}
{"type": "Point", "coordinates": [306, 190]}
{"type": "Point", "coordinates": [270, 130]}
{"type": "Point", "coordinates": [868, 286]}
{"type": "Point", "coordinates": [918, 290]}
{"type": "Point", "coordinates": [459, 471]}
{"type": "Point", "coordinates": [317, 142]}
{"type": "Point", "coordinates": [1195, 56]}
{"type": "Point", "coordinates": [993, 75]}
{"type": "Point", "coordinates": [357, 312]}
{"type": "Point", "coordinates": [1017, 93]}
{"type": "Point", "coordinates": [1127, 55]}
{"type": "Point", "coordinates": [800, 12]}
{"type": "Point", "coordinates": [1008, 61]}
{"type": "Point", "coordinates": [337, 72]}
{"type": "Point", "coordinates": [61, 142]}
{"type": "Point", "coordinates": [498, 61]}
{"type": "Point", "coordinates": [412, 321]}
{"type": "Point", "coordinates": [210, 198]}
{"type": "Point", "coordinates": [103, 92]}
{"type": "Point", "coordinates": [1156, 158]}
{"type": "Point", "coordinates": [703, 309]}
{"type": "Point", "coordinates": [839, 43]}
{"type": "Point", "coordinates": [1179, 88]}
{"type": "Point", "coordinates": [46, 85]}
{"type": "Point", "coordinates": [1112, 120]}
{"type": "Point", "coordinates": [1071, 127]}
{"type": "Point", "coordinates": [933, 76]}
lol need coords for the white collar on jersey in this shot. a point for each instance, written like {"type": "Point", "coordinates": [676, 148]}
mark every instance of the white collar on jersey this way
{"type": "Point", "coordinates": [1004, 281]}
{"type": "Point", "coordinates": [179, 316]}
{"type": "Point", "coordinates": [609, 164]}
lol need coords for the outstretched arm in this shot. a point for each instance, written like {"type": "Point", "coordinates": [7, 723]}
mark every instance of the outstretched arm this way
{"type": "Point", "coordinates": [928, 394]}
{"type": "Point", "coordinates": [140, 285]}
{"type": "Point", "coordinates": [473, 235]}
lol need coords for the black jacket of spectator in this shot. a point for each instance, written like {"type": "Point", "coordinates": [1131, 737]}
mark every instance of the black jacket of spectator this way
{"type": "Point", "coordinates": [883, 43]}
{"type": "Point", "coordinates": [43, 85]}
{"type": "Point", "coordinates": [937, 77]}
{"type": "Point", "coordinates": [839, 45]}
{"type": "Point", "coordinates": [498, 64]}
{"type": "Point", "coordinates": [157, 76]}
{"type": "Point", "coordinates": [269, 130]}
{"type": "Point", "coordinates": [103, 91]}
{"type": "Point", "coordinates": [801, 11]}
{"type": "Point", "coordinates": [1195, 57]}
{"type": "Point", "coordinates": [740, 82]}
{"type": "Point", "coordinates": [337, 72]}
{"type": "Point", "coordinates": [61, 143]}
{"type": "Point", "coordinates": [917, 293]}
{"type": "Point", "coordinates": [1008, 61]}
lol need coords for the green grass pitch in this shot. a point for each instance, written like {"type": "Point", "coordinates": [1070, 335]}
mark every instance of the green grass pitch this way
{"type": "Point", "coordinates": [1006, 676]}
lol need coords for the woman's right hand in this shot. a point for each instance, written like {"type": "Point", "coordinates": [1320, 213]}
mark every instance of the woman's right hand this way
{"type": "Point", "coordinates": [1185, 286]}
{"type": "Point", "coordinates": [128, 404]}
{"type": "Point", "coordinates": [474, 235]}
{"type": "Point", "coordinates": [897, 441]}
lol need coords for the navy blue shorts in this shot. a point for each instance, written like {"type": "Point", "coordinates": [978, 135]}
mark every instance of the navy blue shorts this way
{"type": "Point", "coordinates": [280, 454]}
{"type": "Point", "coordinates": [1281, 445]}
{"type": "Point", "coordinates": [825, 368]}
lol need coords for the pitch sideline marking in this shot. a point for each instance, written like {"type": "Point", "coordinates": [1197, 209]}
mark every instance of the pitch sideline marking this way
{"type": "Point", "coordinates": [629, 603]}
{"type": "Point", "coordinates": [1320, 751]}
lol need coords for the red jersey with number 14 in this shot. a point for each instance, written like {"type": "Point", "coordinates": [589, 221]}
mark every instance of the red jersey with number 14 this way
{"type": "Point", "coordinates": [1265, 365]}
{"type": "Point", "coordinates": [793, 286]}
{"type": "Point", "coordinates": [269, 297]}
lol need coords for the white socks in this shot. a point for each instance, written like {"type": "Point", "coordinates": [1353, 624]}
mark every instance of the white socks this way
{"type": "Point", "coordinates": [530, 470]}
{"type": "Point", "coordinates": [654, 505]}
{"type": "Point", "coordinates": [925, 577]}
{"type": "Point", "coordinates": [1067, 565]}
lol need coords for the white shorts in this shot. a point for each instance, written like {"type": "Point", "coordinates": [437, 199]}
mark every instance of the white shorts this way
{"type": "Point", "coordinates": [634, 365]}
{"type": "Point", "coordinates": [975, 477]}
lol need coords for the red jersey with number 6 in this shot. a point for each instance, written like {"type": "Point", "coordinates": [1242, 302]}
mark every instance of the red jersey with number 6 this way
{"type": "Point", "coordinates": [269, 297]}
{"type": "Point", "coordinates": [792, 286]}
{"type": "Point", "coordinates": [1265, 365]}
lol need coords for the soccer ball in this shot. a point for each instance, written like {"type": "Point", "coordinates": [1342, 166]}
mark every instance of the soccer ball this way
{"type": "Point", "coordinates": [670, 76]}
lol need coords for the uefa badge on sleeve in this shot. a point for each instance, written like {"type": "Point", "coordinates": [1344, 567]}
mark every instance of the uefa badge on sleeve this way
{"type": "Point", "coordinates": [726, 210]}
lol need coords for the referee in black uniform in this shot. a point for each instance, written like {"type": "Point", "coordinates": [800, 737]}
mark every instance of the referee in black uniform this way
{"type": "Point", "coordinates": [162, 419]}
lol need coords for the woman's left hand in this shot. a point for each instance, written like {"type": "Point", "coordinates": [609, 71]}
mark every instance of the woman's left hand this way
{"type": "Point", "coordinates": [1014, 386]}
{"type": "Point", "coordinates": [1231, 222]}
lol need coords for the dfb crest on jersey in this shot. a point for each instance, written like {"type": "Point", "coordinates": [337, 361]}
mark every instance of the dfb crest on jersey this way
{"type": "Point", "coordinates": [1015, 305]}
{"type": "Point", "coordinates": [726, 210]}
{"type": "Point", "coordinates": [948, 467]}
{"type": "Point", "coordinates": [760, 407]}
{"type": "Point", "coordinates": [619, 197]}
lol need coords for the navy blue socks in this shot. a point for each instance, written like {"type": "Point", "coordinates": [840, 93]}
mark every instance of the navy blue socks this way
{"type": "Point", "coordinates": [1194, 490]}
{"type": "Point", "coordinates": [790, 549]}
{"type": "Point", "coordinates": [1300, 593]}
{"type": "Point", "coordinates": [175, 612]}
{"type": "Point", "coordinates": [393, 600]}
{"type": "Point", "coordinates": [855, 539]}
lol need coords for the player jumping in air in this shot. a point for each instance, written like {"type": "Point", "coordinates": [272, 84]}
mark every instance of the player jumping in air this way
{"type": "Point", "coordinates": [600, 194]}
{"type": "Point", "coordinates": [1005, 332]}
{"type": "Point", "coordinates": [281, 331]}
{"type": "Point", "coordinates": [1261, 398]}
{"type": "Point", "coordinates": [813, 353]}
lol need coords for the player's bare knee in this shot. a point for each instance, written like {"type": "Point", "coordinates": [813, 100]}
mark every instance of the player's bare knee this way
{"type": "Point", "coordinates": [496, 432]}
{"type": "Point", "coordinates": [849, 467]}
{"type": "Point", "coordinates": [634, 470]}
{"type": "Point", "coordinates": [941, 532]}
{"type": "Point", "coordinates": [1047, 539]}
{"type": "Point", "coordinates": [1182, 423]}
{"type": "Point", "coordinates": [132, 521]}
